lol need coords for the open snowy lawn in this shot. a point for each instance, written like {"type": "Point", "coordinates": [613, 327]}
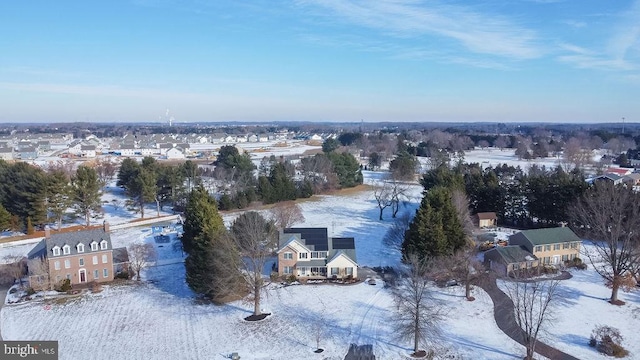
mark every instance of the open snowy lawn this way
{"type": "Point", "coordinates": [160, 320]}
{"type": "Point", "coordinates": [494, 157]}
{"type": "Point", "coordinates": [582, 304]}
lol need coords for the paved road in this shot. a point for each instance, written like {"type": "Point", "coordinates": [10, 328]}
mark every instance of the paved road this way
{"type": "Point", "coordinates": [3, 296]}
{"type": "Point", "coordinates": [503, 313]}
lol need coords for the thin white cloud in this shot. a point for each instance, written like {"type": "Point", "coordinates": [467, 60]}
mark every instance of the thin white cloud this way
{"type": "Point", "coordinates": [620, 51]}
{"type": "Point", "coordinates": [575, 24]}
{"type": "Point", "coordinates": [477, 32]}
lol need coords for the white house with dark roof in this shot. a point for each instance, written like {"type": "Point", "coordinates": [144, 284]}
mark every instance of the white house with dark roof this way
{"type": "Point", "coordinates": [309, 253]}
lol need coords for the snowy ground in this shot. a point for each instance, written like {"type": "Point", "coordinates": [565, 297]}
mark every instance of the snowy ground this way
{"type": "Point", "coordinates": [581, 304]}
{"type": "Point", "coordinates": [159, 318]}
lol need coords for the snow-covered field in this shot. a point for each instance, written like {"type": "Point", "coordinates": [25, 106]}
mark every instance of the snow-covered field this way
{"type": "Point", "coordinates": [160, 319]}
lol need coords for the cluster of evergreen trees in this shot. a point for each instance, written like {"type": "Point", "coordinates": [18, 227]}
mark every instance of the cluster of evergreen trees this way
{"type": "Point", "coordinates": [280, 180]}
{"type": "Point", "coordinates": [31, 196]}
{"type": "Point", "coordinates": [540, 197]}
{"type": "Point", "coordinates": [151, 181]}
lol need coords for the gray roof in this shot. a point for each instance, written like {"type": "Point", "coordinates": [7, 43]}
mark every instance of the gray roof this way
{"type": "Point", "coordinates": [120, 255]}
{"type": "Point", "coordinates": [72, 238]}
{"type": "Point", "coordinates": [546, 236]}
{"type": "Point", "coordinates": [512, 254]}
{"type": "Point", "coordinates": [87, 147]}
{"type": "Point", "coordinates": [312, 263]}
{"type": "Point", "coordinates": [6, 150]}
{"type": "Point", "coordinates": [316, 239]}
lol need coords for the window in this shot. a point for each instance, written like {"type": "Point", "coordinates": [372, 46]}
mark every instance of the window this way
{"type": "Point", "coordinates": [95, 260]}
{"type": "Point", "coordinates": [574, 245]}
{"type": "Point", "coordinates": [516, 266]}
{"type": "Point", "coordinates": [80, 248]}
{"type": "Point", "coordinates": [565, 257]}
{"type": "Point", "coordinates": [94, 246]}
{"type": "Point", "coordinates": [58, 278]}
{"type": "Point", "coordinates": [66, 249]}
{"type": "Point", "coordinates": [303, 270]}
{"type": "Point", "coordinates": [56, 265]}
{"type": "Point", "coordinates": [556, 247]}
{"type": "Point", "coordinates": [105, 273]}
{"type": "Point", "coordinates": [565, 245]}
{"type": "Point", "coordinates": [288, 256]}
{"type": "Point", "coordinates": [349, 271]}
{"type": "Point", "coordinates": [56, 251]}
{"type": "Point", "coordinates": [547, 260]}
{"type": "Point", "coordinates": [538, 248]}
{"type": "Point", "coordinates": [547, 248]}
{"type": "Point", "coordinates": [335, 271]}
{"type": "Point", "coordinates": [303, 255]}
{"type": "Point", "coordinates": [318, 254]}
{"type": "Point", "coordinates": [67, 264]}
{"type": "Point", "coordinates": [288, 270]}
{"type": "Point", "coordinates": [81, 261]}
{"type": "Point", "coordinates": [96, 274]}
{"type": "Point", "coordinates": [103, 244]}
{"type": "Point", "coordinates": [104, 258]}
{"type": "Point", "coordinates": [68, 276]}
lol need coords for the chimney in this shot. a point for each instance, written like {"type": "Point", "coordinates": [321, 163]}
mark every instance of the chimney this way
{"type": "Point", "coordinates": [47, 232]}
{"type": "Point", "coordinates": [105, 226]}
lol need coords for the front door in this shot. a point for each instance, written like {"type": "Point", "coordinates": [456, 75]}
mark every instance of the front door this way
{"type": "Point", "coordinates": [556, 259]}
{"type": "Point", "coordinates": [83, 275]}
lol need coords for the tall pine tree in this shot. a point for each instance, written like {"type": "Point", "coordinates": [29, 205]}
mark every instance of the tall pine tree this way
{"type": "Point", "coordinates": [212, 261]}
{"type": "Point", "coordinates": [436, 229]}
{"type": "Point", "coordinates": [86, 192]}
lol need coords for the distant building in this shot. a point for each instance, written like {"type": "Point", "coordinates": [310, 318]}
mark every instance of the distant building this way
{"type": "Point", "coordinates": [6, 153]}
{"type": "Point", "coordinates": [485, 219]}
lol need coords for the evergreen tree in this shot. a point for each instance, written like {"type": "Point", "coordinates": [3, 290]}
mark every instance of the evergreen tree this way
{"type": "Point", "coordinates": [436, 229]}
{"type": "Point", "coordinates": [347, 168]}
{"type": "Point", "coordinates": [86, 192]}
{"type": "Point", "coordinates": [5, 218]}
{"type": "Point", "coordinates": [59, 195]}
{"type": "Point", "coordinates": [212, 260]}
{"type": "Point", "coordinates": [23, 191]}
{"type": "Point", "coordinates": [127, 172]}
{"type": "Point", "coordinates": [404, 166]}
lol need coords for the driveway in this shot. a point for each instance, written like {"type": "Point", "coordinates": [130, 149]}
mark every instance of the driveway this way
{"type": "Point", "coordinates": [505, 319]}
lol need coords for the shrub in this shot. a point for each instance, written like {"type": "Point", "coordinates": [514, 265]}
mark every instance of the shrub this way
{"type": "Point", "coordinates": [607, 340]}
{"type": "Point", "coordinates": [96, 287]}
{"type": "Point", "coordinates": [30, 291]}
{"type": "Point", "coordinates": [122, 275]}
{"type": "Point", "coordinates": [291, 278]}
{"type": "Point", "coordinates": [64, 285]}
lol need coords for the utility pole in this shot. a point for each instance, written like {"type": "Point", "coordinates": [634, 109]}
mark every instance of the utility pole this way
{"type": "Point", "coordinates": [623, 124]}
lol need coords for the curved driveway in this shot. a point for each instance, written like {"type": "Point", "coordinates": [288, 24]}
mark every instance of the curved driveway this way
{"type": "Point", "coordinates": [503, 313]}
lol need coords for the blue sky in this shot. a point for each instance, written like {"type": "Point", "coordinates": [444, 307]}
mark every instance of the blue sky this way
{"type": "Point", "coordinates": [320, 60]}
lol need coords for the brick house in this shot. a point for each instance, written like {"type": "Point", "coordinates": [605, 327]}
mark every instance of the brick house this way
{"type": "Point", "coordinates": [81, 256]}
{"type": "Point", "coordinates": [309, 253]}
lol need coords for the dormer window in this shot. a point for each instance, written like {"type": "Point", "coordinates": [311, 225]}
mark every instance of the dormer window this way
{"type": "Point", "coordinates": [103, 244]}
{"type": "Point", "coordinates": [56, 251]}
{"type": "Point", "coordinates": [94, 246]}
{"type": "Point", "coordinates": [80, 248]}
{"type": "Point", "coordinates": [66, 249]}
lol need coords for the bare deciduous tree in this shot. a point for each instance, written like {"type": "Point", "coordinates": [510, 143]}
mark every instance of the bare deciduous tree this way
{"type": "Point", "coordinates": [461, 204]}
{"type": "Point", "coordinates": [463, 267]}
{"type": "Point", "coordinates": [256, 238]}
{"type": "Point", "coordinates": [106, 170]}
{"type": "Point", "coordinates": [418, 314]}
{"type": "Point", "coordinates": [382, 194]}
{"type": "Point", "coordinates": [286, 214]}
{"type": "Point", "coordinates": [39, 277]}
{"type": "Point", "coordinates": [609, 215]}
{"type": "Point", "coordinates": [577, 154]}
{"type": "Point", "coordinates": [532, 307]}
{"type": "Point", "coordinates": [15, 267]}
{"type": "Point", "coordinates": [141, 256]}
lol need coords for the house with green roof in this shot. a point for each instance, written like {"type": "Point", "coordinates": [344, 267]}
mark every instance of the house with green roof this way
{"type": "Point", "coordinates": [506, 259]}
{"type": "Point", "coordinates": [552, 246]}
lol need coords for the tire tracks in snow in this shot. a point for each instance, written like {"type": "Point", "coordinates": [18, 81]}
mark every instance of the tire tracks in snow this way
{"type": "Point", "coordinates": [362, 317]}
